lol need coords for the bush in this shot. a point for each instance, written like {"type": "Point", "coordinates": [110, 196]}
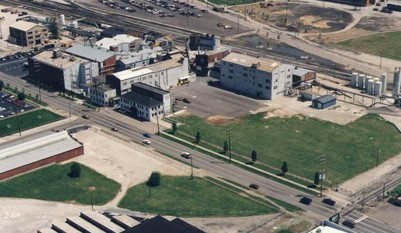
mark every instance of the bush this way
{"type": "Point", "coordinates": [21, 96]}
{"type": "Point", "coordinates": [154, 179]}
{"type": "Point", "coordinates": [75, 171]}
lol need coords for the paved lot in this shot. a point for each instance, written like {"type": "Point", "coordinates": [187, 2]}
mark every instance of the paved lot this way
{"type": "Point", "coordinates": [207, 23]}
{"type": "Point", "coordinates": [14, 68]}
{"type": "Point", "coordinates": [8, 108]}
{"type": "Point", "coordinates": [388, 213]}
{"type": "Point", "coordinates": [207, 100]}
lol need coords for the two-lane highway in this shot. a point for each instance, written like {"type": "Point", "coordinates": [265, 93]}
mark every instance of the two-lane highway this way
{"type": "Point", "coordinates": [228, 171]}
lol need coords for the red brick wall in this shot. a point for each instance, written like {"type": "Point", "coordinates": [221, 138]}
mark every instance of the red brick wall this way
{"type": "Point", "coordinates": [109, 65]}
{"type": "Point", "coordinates": [54, 159]}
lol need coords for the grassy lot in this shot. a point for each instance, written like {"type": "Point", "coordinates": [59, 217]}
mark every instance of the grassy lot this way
{"type": "Point", "coordinates": [389, 42]}
{"type": "Point", "coordinates": [350, 149]}
{"type": "Point", "coordinates": [233, 2]}
{"type": "Point", "coordinates": [181, 196]}
{"type": "Point", "coordinates": [53, 183]}
{"type": "Point", "coordinates": [27, 121]}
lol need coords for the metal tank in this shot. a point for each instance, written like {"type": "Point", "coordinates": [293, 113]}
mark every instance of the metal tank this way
{"type": "Point", "coordinates": [361, 81]}
{"type": "Point", "coordinates": [377, 89]}
{"type": "Point", "coordinates": [383, 79]}
{"type": "Point", "coordinates": [354, 80]}
{"type": "Point", "coordinates": [397, 80]}
{"type": "Point", "coordinates": [370, 86]}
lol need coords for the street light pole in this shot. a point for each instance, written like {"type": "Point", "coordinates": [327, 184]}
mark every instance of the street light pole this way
{"type": "Point", "coordinates": [192, 169]}
{"type": "Point", "coordinates": [381, 57]}
{"type": "Point", "coordinates": [322, 162]}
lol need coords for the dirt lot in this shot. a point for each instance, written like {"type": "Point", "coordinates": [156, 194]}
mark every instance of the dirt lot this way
{"type": "Point", "coordinates": [297, 17]}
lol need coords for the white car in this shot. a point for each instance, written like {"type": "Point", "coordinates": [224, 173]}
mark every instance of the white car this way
{"type": "Point", "coordinates": [186, 155]}
{"type": "Point", "coordinates": [146, 141]}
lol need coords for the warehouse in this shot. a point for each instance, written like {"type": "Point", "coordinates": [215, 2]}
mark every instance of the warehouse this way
{"type": "Point", "coordinates": [323, 102]}
{"type": "Point", "coordinates": [30, 153]}
{"type": "Point", "coordinates": [28, 34]}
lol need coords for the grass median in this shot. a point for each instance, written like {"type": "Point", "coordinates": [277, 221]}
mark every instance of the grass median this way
{"type": "Point", "coordinates": [185, 197]}
{"type": "Point", "coordinates": [25, 121]}
{"type": "Point", "coordinates": [53, 183]}
{"type": "Point", "coordinates": [350, 149]}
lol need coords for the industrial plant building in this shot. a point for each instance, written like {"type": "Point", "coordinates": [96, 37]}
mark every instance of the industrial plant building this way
{"type": "Point", "coordinates": [354, 2]}
{"type": "Point", "coordinates": [163, 75]}
{"type": "Point", "coordinates": [146, 102]}
{"type": "Point", "coordinates": [120, 43]}
{"type": "Point", "coordinates": [62, 71]}
{"type": "Point", "coordinates": [260, 78]}
{"type": "Point", "coordinates": [27, 154]}
{"type": "Point", "coordinates": [203, 42]}
{"type": "Point", "coordinates": [102, 95]}
{"type": "Point", "coordinates": [139, 59]}
{"type": "Point", "coordinates": [323, 102]}
{"type": "Point", "coordinates": [205, 60]}
{"type": "Point", "coordinates": [28, 34]}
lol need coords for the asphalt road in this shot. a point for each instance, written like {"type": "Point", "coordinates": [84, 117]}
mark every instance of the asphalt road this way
{"type": "Point", "coordinates": [225, 170]}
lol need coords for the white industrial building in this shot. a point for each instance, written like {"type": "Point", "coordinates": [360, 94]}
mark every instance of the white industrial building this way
{"type": "Point", "coordinates": [163, 75]}
{"type": "Point", "coordinates": [138, 59]}
{"type": "Point", "coordinates": [146, 102]}
{"type": "Point", "coordinates": [102, 95]}
{"type": "Point", "coordinates": [257, 77]}
{"type": "Point", "coordinates": [62, 71]}
{"type": "Point", "coordinates": [120, 43]}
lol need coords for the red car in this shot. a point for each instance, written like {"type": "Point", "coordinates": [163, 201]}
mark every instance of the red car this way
{"type": "Point", "coordinates": [254, 186]}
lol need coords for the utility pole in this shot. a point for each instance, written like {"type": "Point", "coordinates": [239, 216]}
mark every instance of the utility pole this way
{"type": "Point", "coordinates": [381, 57]}
{"type": "Point", "coordinates": [229, 143]}
{"type": "Point", "coordinates": [192, 169]}
{"type": "Point", "coordinates": [322, 160]}
{"type": "Point", "coordinates": [158, 126]}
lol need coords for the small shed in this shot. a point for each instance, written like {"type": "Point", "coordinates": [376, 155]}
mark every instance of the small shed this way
{"type": "Point", "coordinates": [324, 102]}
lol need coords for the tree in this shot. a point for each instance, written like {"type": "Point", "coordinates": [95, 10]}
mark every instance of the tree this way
{"type": "Point", "coordinates": [174, 127]}
{"type": "Point", "coordinates": [198, 137]}
{"type": "Point", "coordinates": [284, 168]}
{"type": "Point", "coordinates": [316, 181]}
{"type": "Point", "coordinates": [154, 179]}
{"type": "Point", "coordinates": [1, 85]}
{"type": "Point", "coordinates": [21, 96]}
{"type": "Point", "coordinates": [75, 171]}
{"type": "Point", "coordinates": [254, 156]}
{"type": "Point", "coordinates": [225, 147]}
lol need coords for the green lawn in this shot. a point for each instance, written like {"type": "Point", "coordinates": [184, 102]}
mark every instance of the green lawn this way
{"type": "Point", "coordinates": [27, 121]}
{"type": "Point", "coordinates": [181, 196]}
{"type": "Point", "coordinates": [52, 183]}
{"type": "Point", "coordinates": [233, 2]}
{"type": "Point", "coordinates": [389, 42]}
{"type": "Point", "coordinates": [350, 149]}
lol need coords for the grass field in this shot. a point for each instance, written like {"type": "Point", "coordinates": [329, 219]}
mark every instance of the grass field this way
{"type": "Point", "coordinates": [233, 2]}
{"type": "Point", "coordinates": [389, 42]}
{"type": "Point", "coordinates": [52, 183]}
{"type": "Point", "coordinates": [350, 149]}
{"type": "Point", "coordinates": [27, 121]}
{"type": "Point", "coordinates": [183, 197]}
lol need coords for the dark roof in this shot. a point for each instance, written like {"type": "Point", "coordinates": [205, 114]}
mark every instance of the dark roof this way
{"type": "Point", "coordinates": [325, 99]}
{"type": "Point", "coordinates": [113, 31]}
{"type": "Point", "coordinates": [159, 224]}
{"type": "Point", "coordinates": [150, 88]}
{"type": "Point", "coordinates": [141, 99]}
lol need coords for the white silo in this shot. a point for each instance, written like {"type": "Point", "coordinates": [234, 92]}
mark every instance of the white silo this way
{"type": "Point", "coordinates": [397, 79]}
{"type": "Point", "coordinates": [378, 89]}
{"type": "Point", "coordinates": [383, 79]}
{"type": "Point", "coordinates": [361, 81]}
{"type": "Point", "coordinates": [370, 86]}
{"type": "Point", "coordinates": [62, 19]}
{"type": "Point", "coordinates": [354, 80]}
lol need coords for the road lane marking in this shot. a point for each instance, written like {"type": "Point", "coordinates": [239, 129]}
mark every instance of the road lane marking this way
{"type": "Point", "coordinates": [360, 219]}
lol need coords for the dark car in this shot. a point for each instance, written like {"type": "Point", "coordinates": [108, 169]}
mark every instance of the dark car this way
{"type": "Point", "coordinates": [185, 100]}
{"type": "Point", "coordinates": [349, 223]}
{"type": "Point", "coordinates": [147, 135]}
{"type": "Point", "coordinates": [306, 200]}
{"type": "Point", "coordinates": [329, 201]}
{"type": "Point", "coordinates": [114, 129]}
{"type": "Point", "coordinates": [86, 117]}
{"type": "Point", "coordinates": [254, 186]}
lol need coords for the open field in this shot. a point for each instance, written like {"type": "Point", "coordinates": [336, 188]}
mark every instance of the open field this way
{"type": "Point", "coordinates": [53, 183]}
{"type": "Point", "coordinates": [350, 149]}
{"type": "Point", "coordinates": [389, 43]}
{"type": "Point", "coordinates": [27, 121]}
{"type": "Point", "coordinates": [183, 197]}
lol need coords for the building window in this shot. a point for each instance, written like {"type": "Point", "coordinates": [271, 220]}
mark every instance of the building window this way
{"type": "Point", "coordinates": [288, 76]}
{"type": "Point", "coordinates": [267, 80]}
{"type": "Point", "coordinates": [259, 85]}
{"type": "Point", "coordinates": [267, 87]}
{"type": "Point", "coordinates": [230, 76]}
{"type": "Point", "coordinates": [231, 65]}
{"type": "Point", "coordinates": [275, 87]}
{"type": "Point", "coordinates": [246, 75]}
{"type": "Point", "coordinates": [231, 71]}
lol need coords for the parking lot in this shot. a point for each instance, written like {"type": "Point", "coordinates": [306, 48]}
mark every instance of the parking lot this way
{"type": "Point", "coordinates": [174, 12]}
{"type": "Point", "coordinates": [209, 100]}
{"type": "Point", "coordinates": [9, 105]}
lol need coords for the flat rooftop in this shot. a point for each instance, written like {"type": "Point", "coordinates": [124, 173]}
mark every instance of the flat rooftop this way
{"type": "Point", "coordinates": [62, 62]}
{"type": "Point", "coordinates": [89, 52]}
{"type": "Point", "coordinates": [248, 61]}
{"type": "Point", "coordinates": [23, 152]}
{"type": "Point", "coordinates": [24, 25]}
{"type": "Point", "coordinates": [115, 41]}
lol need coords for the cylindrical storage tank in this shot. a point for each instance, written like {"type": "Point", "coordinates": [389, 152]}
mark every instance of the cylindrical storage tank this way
{"type": "Point", "coordinates": [75, 24]}
{"type": "Point", "coordinates": [376, 79]}
{"type": "Point", "coordinates": [361, 81]}
{"type": "Point", "coordinates": [370, 86]}
{"type": "Point", "coordinates": [377, 89]}
{"type": "Point", "coordinates": [367, 79]}
{"type": "Point", "coordinates": [354, 80]}
{"type": "Point", "coordinates": [397, 79]}
{"type": "Point", "coordinates": [62, 19]}
{"type": "Point", "coordinates": [383, 79]}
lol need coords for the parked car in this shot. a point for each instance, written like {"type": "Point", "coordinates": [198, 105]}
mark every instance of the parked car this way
{"type": "Point", "coordinates": [254, 186]}
{"type": "Point", "coordinates": [306, 200]}
{"type": "Point", "coordinates": [329, 201]}
{"type": "Point", "coordinates": [146, 141]}
{"type": "Point", "coordinates": [185, 100]}
{"type": "Point", "coordinates": [86, 117]}
{"type": "Point", "coordinates": [220, 25]}
{"type": "Point", "coordinates": [186, 155]}
{"type": "Point", "coordinates": [147, 135]}
{"type": "Point", "coordinates": [349, 223]}
{"type": "Point", "coordinates": [114, 129]}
